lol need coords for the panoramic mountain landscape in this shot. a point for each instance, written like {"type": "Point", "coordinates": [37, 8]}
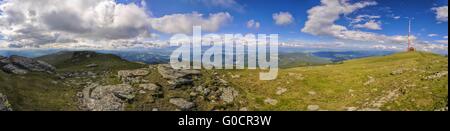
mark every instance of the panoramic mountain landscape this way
{"type": "Point", "coordinates": [174, 55]}
{"type": "Point", "coordinates": [90, 81]}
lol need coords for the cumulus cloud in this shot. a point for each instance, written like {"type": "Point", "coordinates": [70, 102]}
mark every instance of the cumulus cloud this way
{"type": "Point", "coordinates": [252, 24]}
{"type": "Point", "coordinates": [441, 13]}
{"type": "Point", "coordinates": [31, 23]}
{"type": "Point", "coordinates": [283, 18]}
{"type": "Point", "coordinates": [90, 23]}
{"type": "Point", "coordinates": [182, 23]}
{"type": "Point", "coordinates": [372, 25]}
{"type": "Point", "coordinates": [322, 18]}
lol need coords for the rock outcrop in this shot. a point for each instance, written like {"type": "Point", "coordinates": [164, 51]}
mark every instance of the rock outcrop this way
{"type": "Point", "coordinates": [228, 94]}
{"type": "Point", "coordinates": [3, 61]}
{"type": "Point", "coordinates": [4, 104]}
{"type": "Point", "coordinates": [22, 65]}
{"type": "Point", "coordinates": [82, 55]}
{"type": "Point", "coordinates": [150, 87]}
{"type": "Point", "coordinates": [31, 64]}
{"type": "Point", "coordinates": [437, 75]}
{"type": "Point", "coordinates": [10, 68]}
{"type": "Point", "coordinates": [168, 72]}
{"type": "Point", "coordinates": [132, 76]}
{"type": "Point", "coordinates": [177, 78]}
{"type": "Point", "coordinates": [182, 103]}
{"type": "Point", "coordinates": [271, 101]}
{"type": "Point", "coordinates": [106, 98]}
{"type": "Point", "coordinates": [313, 107]}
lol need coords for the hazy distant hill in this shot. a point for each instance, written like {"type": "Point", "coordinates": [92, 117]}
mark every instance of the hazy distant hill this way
{"type": "Point", "coordinates": [338, 56]}
{"type": "Point", "coordinates": [289, 60]}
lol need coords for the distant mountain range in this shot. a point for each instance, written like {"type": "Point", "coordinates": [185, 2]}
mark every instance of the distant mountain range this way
{"type": "Point", "coordinates": [289, 57]}
{"type": "Point", "coordinates": [337, 56]}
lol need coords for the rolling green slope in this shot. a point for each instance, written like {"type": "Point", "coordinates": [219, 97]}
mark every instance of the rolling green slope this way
{"type": "Point", "coordinates": [403, 81]}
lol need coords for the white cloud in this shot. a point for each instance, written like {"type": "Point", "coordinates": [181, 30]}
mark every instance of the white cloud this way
{"type": "Point", "coordinates": [386, 47]}
{"type": "Point", "coordinates": [95, 23]}
{"type": "Point", "coordinates": [322, 18]}
{"type": "Point", "coordinates": [441, 13]}
{"type": "Point", "coordinates": [396, 17]}
{"type": "Point", "coordinates": [252, 24]}
{"type": "Point", "coordinates": [32, 23]}
{"type": "Point", "coordinates": [183, 23]}
{"type": "Point", "coordinates": [445, 37]}
{"type": "Point", "coordinates": [442, 41]}
{"type": "Point", "coordinates": [439, 48]}
{"type": "Point", "coordinates": [361, 18]}
{"type": "Point", "coordinates": [283, 18]}
{"type": "Point", "coordinates": [432, 35]}
{"type": "Point", "coordinates": [372, 25]}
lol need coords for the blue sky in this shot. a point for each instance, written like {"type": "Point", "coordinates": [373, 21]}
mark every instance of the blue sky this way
{"type": "Point", "coordinates": [424, 22]}
{"type": "Point", "coordinates": [353, 23]}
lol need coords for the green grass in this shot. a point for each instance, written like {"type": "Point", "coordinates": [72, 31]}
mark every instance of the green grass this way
{"type": "Point", "coordinates": [37, 92]}
{"type": "Point", "coordinates": [340, 86]}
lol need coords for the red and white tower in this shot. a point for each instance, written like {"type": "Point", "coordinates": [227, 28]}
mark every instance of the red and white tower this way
{"type": "Point", "coordinates": [410, 46]}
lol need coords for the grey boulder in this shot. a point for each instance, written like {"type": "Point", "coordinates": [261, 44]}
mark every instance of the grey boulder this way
{"type": "Point", "coordinates": [4, 104]}
{"type": "Point", "coordinates": [182, 103]}
{"type": "Point", "coordinates": [10, 68]}
{"type": "Point", "coordinates": [31, 64]}
{"type": "Point", "coordinates": [107, 98]}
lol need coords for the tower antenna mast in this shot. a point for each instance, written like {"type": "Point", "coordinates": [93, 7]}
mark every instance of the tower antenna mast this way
{"type": "Point", "coordinates": [410, 48]}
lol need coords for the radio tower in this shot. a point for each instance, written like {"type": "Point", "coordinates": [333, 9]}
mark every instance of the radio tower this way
{"type": "Point", "coordinates": [410, 47]}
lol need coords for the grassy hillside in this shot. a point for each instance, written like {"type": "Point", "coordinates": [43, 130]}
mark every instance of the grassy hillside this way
{"type": "Point", "coordinates": [394, 82]}
{"type": "Point", "coordinates": [77, 61]}
{"type": "Point", "coordinates": [37, 91]}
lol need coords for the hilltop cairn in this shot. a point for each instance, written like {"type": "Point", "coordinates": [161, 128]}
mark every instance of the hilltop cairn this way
{"type": "Point", "coordinates": [22, 65]}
